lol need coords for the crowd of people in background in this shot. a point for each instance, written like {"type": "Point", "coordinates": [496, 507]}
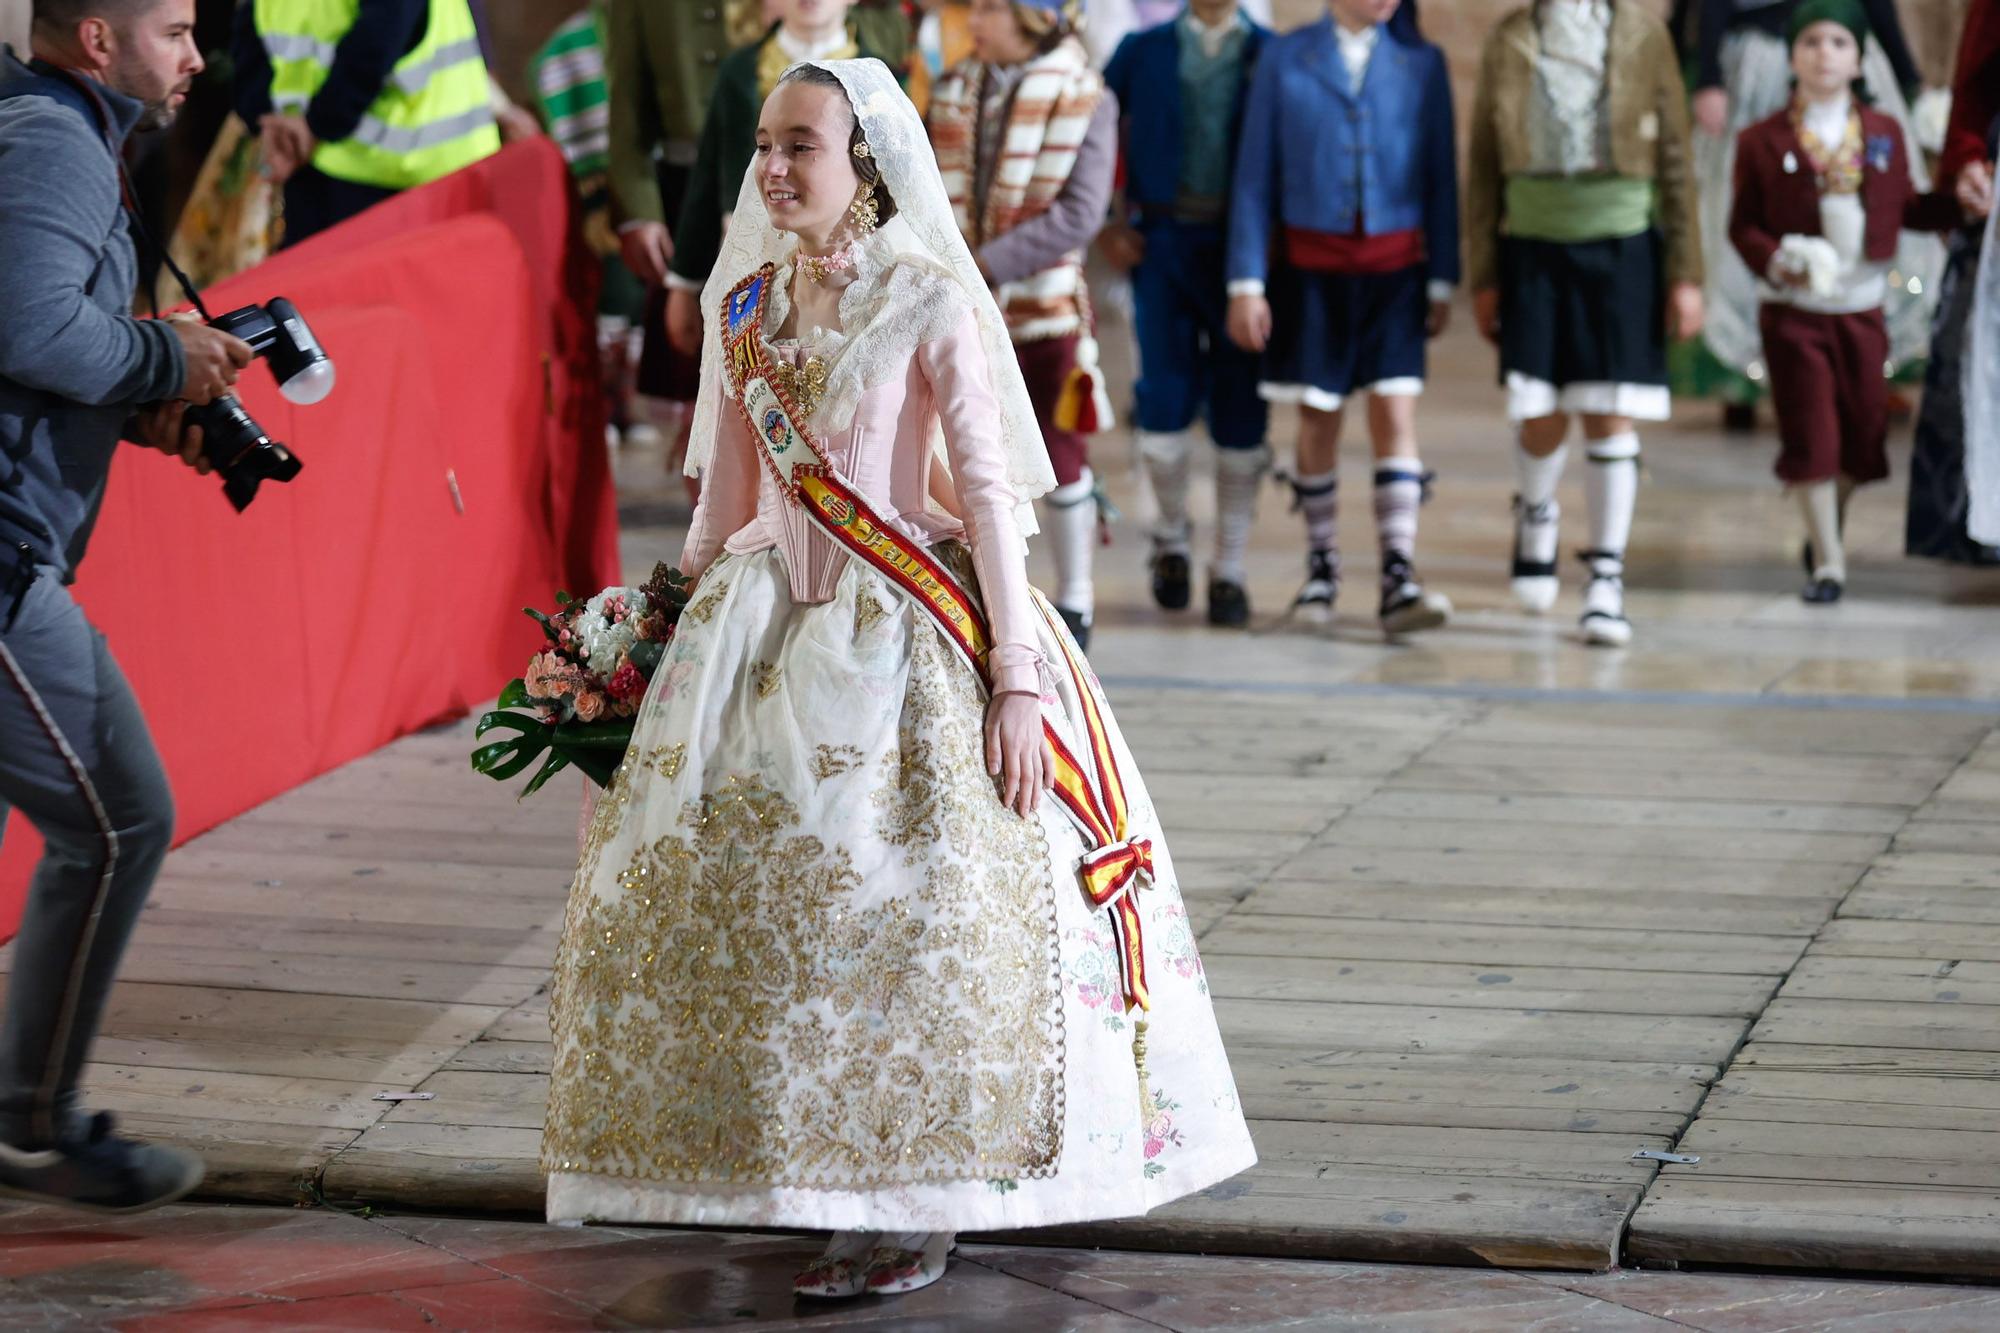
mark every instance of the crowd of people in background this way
{"type": "Point", "coordinates": [1705, 205]}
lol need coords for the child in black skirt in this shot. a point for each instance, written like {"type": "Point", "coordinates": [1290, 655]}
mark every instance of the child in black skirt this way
{"type": "Point", "coordinates": [1580, 230]}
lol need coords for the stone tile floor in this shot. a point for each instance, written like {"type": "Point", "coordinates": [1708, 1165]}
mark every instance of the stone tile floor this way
{"type": "Point", "coordinates": [224, 1267]}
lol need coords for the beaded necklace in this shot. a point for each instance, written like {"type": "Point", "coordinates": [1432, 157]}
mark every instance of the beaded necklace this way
{"type": "Point", "coordinates": [1837, 169]}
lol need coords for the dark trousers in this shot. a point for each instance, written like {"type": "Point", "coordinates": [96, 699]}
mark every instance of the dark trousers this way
{"type": "Point", "coordinates": [665, 371]}
{"type": "Point", "coordinates": [1186, 360]}
{"type": "Point", "coordinates": [315, 201]}
{"type": "Point", "coordinates": [1828, 390]}
{"type": "Point", "coordinates": [77, 760]}
{"type": "Point", "coordinates": [1045, 365]}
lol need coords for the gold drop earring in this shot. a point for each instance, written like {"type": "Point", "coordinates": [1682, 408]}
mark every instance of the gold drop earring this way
{"type": "Point", "coordinates": [863, 212]}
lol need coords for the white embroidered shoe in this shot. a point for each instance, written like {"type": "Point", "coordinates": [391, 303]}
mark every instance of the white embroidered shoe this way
{"type": "Point", "coordinates": [909, 1266]}
{"type": "Point", "coordinates": [842, 1271]}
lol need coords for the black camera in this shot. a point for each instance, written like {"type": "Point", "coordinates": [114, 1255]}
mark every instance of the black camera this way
{"type": "Point", "coordinates": [232, 441]}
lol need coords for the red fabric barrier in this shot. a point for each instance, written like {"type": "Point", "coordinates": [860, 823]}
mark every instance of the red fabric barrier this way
{"type": "Point", "coordinates": [366, 599]}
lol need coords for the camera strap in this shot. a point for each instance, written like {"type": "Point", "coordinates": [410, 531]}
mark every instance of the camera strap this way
{"type": "Point", "coordinates": [145, 234]}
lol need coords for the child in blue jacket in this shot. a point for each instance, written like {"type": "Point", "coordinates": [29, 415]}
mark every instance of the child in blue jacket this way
{"type": "Point", "coordinates": [1181, 87]}
{"type": "Point", "coordinates": [1345, 210]}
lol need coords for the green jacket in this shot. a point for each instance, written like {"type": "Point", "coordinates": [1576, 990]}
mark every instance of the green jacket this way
{"type": "Point", "coordinates": [1649, 134]}
{"type": "Point", "coordinates": [664, 58]}
{"type": "Point", "coordinates": [729, 135]}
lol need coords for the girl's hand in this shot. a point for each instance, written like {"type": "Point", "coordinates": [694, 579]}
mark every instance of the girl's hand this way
{"type": "Point", "coordinates": [1016, 751]}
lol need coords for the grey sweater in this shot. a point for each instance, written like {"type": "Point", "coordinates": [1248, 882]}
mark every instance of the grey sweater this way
{"type": "Point", "coordinates": [74, 363]}
{"type": "Point", "coordinates": [1077, 213]}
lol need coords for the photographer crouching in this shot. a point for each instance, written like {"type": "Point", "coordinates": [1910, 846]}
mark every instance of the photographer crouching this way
{"type": "Point", "coordinates": [77, 374]}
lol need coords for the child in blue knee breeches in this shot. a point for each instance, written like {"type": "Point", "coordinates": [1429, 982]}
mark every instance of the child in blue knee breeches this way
{"type": "Point", "coordinates": [1181, 88]}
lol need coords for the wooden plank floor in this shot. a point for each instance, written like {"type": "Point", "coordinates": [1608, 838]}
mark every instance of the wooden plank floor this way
{"type": "Point", "coordinates": [1483, 914]}
{"type": "Point", "coordinates": [1454, 1015]}
{"type": "Point", "coordinates": [1860, 1127]}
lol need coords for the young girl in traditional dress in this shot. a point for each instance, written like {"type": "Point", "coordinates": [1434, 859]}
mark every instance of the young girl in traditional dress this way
{"type": "Point", "coordinates": [873, 927]}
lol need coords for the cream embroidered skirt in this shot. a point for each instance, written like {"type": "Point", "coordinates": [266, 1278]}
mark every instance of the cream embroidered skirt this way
{"type": "Point", "coordinates": [815, 975]}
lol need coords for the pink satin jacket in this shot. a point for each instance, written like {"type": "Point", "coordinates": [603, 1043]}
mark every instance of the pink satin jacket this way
{"type": "Point", "coordinates": [885, 454]}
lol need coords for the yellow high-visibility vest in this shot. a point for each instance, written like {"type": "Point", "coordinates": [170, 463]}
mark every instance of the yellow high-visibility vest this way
{"type": "Point", "coordinates": [432, 117]}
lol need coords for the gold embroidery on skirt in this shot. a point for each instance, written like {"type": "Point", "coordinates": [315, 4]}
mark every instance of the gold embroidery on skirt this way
{"type": "Point", "coordinates": [830, 761]}
{"type": "Point", "coordinates": [666, 759]}
{"type": "Point", "coordinates": [726, 1012]}
{"type": "Point", "coordinates": [769, 679]}
{"type": "Point", "coordinates": [868, 612]}
{"type": "Point", "coordinates": [704, 607]}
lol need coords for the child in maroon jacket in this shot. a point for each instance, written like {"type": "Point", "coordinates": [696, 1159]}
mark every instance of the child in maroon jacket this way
{"type": "Point", "coordinates": [1822, 191]}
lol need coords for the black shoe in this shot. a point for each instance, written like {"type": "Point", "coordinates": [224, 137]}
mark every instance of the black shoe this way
{"type": "Point", "coordinates": [1407, 606]}
{"type": "Point", "coordinates": [1079, 628]}
{"type": "Point", "coordinates": [1822, 592]}
{"type": "Point", "coordinates": [1534, 581]}
{"type": "Point", "coordinates": [1228, 604]}
{"type": "Point", "coordinates": [99, 1172]}
{"type": "Point", "coordinates": [1739, 417]}
{"type": "Point", "coordinates": [1322, 586]}
{"type": "Point", "coordinates": [1170, 580]}
{"type": "Point", "coordinates": [1604, 623]}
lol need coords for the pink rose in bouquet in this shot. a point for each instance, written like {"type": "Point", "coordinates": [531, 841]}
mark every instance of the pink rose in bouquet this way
{"type": "Point", "coordinates": [576, 700]}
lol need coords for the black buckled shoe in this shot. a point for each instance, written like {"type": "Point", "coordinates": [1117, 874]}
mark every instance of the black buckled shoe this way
{"type": "Point", "coordinates": [1534, 580]}
{"type": "Point", "coordinates": [1228, 604]}
{"type": "Point", "coordinates": [1823, 592]}
{"type": "Point", "coordinates": [1315, 600]}
{"type": "Point", "coordinates": [1407, 606]}
{"type": "Point", "coordinates": [1171, 582]}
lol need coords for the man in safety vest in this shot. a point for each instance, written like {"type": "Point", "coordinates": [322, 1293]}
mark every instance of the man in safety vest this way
{"type": "Point", "coordinates": [355, 100]}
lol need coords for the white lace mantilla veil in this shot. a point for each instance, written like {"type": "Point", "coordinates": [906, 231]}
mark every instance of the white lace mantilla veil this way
{"type": "Point", "coordinates": [923, 234]}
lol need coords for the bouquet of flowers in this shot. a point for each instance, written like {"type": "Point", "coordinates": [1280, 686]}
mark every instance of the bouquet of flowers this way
{"type": "Point", "coordinates": [576, 702]}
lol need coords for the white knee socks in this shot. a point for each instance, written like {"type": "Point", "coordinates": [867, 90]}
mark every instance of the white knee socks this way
{"type": "Point", "coordinates": [1169, 456]}
{"type": "Point", "coordinates": [1819, 505]}
{"type": "Point", "coordinates": [1611, 486]}
{"type": "Point", "coordinates": [1238, 474]}
{"type": "Point", "coordinates": [1536, 478]}
{"type": "Point", "coordinates": [1069, 517]}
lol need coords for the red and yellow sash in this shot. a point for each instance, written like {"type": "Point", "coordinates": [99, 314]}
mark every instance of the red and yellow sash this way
{"type": "Point", "coordinates": [1089, 790]}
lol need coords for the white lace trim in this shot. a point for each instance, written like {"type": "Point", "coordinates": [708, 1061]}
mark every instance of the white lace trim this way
{"type": "Point", "coordinates": [895, 303]}
{"type": "Point", "coordinates": [922, 238]}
